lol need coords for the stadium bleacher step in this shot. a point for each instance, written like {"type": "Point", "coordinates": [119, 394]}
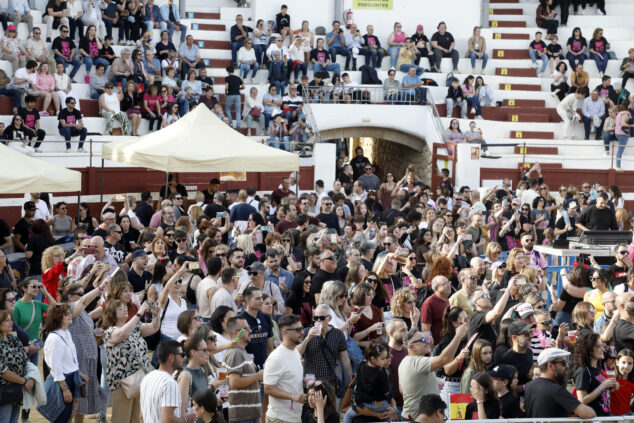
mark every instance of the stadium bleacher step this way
{"type": "Point", "coordinates": [203, 15]}
{"type": "Point", "coordinates": [214, 44]}
{"type": "Point", "coordinates": [528, 117]}
{"type": "Point", "coordinates": [520, 87]}
{"type": "Point", "coordinates": [503, 1]}
{"type": "Point", "coordinates": [523, 103]}
{"type": "Point", "coordinates": [208, 27]}
{"type": "Point", "coordinates": [530, 72]}
{"type": "Point", "coordinates": [532, 134]}
{"type": "Point", "coordinates": [506, 12]}
{"type": "Point", "coordinates": [510, 36]}
{"type": "Point", "coordinates": [219, 63]}
{"type": "Point", "coordinates": [535, 150]}
{"type": "Point", "coordinates": [507, 24]}
{"type": "Point", "coordinates": [511, 54]}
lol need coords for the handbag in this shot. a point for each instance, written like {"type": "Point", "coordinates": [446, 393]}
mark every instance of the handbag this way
{"type": "Point", "coordinates": [131, 385]}
{"type": "Point", "coordinates": [254, 112]}
{"type": "Point", "coordinates": [11, 393]}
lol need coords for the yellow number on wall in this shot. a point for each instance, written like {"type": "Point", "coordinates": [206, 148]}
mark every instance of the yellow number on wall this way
{"type": "Point", "coordinates": [497, 36]}
{"type": "Point", "coordinates": [507, 87]}
{"type": "Point", "coordinates": [518, 134]}
{"type": "Point", "coordinates": [494, 24]}
{"type": "Point", "coordinates": [500, 53]}
{"type": "Point", "coordinates": [514, 118]}
{"type": "Point", "coordinates": [511, 102]}
{"type": "Point", "coordinates": [504, 71]}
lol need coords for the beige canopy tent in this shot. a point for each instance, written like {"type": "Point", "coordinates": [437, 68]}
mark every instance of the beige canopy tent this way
{"type": "Point", "coordinates": [200, 142]}
{"type": "Point", "coordinates": [20, 173]}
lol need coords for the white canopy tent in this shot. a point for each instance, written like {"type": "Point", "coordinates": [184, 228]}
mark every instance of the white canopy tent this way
{"type": "Point", "coordinates": [20, 173]}
{"type": "Point", "coordinates": [200, 142]}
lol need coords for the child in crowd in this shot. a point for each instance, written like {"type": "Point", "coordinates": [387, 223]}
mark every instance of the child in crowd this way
{"type": "Point", "coordinates": [485, 404]}
{"type": "Point", "coordinates": [620, 398]}
{"type": "Point", "coordinates": [554, 52]}
{"type": "Point", "coordinates": [481, 357]}
{"type": "Point", "coordinates": [504, 377]}
{"type": "Point", "coordinates": [537, 50]}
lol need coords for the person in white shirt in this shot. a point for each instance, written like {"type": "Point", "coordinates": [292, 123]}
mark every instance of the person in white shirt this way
{"type": "Point", "coordinates": [297, 54]}
{"type": "Point", "coordinates": [354, 42]}
{"type": "Point", "coordinates": [63, 86]}
{"type": "Point", "coordinates": [567, 109]}
{"type": "Point", "coordinates": [160, 396]}
{"type": "Point", "coordinates": [42, 211]}
{"type": "Point", "coordinates": [225, 293]}
{"type": "Point", "coordinates": [36, 49]}
{"type": "Point", "coordinates": [246, 60]}
{"type": "Point", "coordinates": [279, 47]}
{"type": "Point", "coordinates": [283, 374]}
{"type": "Point", "coordinates": [207, 288]}
{"type": "Point", "coordinates": [92, 16]}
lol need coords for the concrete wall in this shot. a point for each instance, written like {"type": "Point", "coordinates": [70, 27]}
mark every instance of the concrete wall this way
{"type": "Point", "coordinates": [392, 157]}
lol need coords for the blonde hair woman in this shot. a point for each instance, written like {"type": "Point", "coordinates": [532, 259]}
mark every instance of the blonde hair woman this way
{"type": "Point", "coordinates": [54, 266]}
{"type": "Point", "coordinates": [334, 295]}
{"type": "Point", "coordinates": [492, 252]}
{"type": "Point", "coordinates": [403, 306]}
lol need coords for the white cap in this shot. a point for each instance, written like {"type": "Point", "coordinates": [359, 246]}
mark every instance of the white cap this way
{"type": "Point", "coordinates": [550, 354]}
{"type": "Point", "coordinates": [572, 204]}
{"type": "Point", "coordinates": [524, 310]}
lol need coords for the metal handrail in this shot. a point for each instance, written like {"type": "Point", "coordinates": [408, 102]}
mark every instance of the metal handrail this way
{"type": "Point", "coordinates": [310, 117]}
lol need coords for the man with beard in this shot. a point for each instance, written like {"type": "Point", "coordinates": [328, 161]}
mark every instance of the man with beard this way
{"type": "Point", "coordinates": [562, 229]}
{"type": "Point", "coordinates": [536, 259]}
{"type": "Point", "coordinates": [598, 217]}
{"type": "Point", "coordinates": [547, 395]}
{"type": "Point", "coordinates": [312, 258]}
{"type": "Point", "coordinates": [112, 244]}
{"type": "Point", "coordinates": [326, 272]}
{"type": "Point", "coordinates": [275, 273]}
{"type": "Point", "coordinates": [520, 355]}
{"type": "Point", "coordinates": [624, 329]}
{"type": "Point", "coordinates": [396, 330]}
{"type": "Point", "coordinates": [359, 162]}
{"type": "Point", "coordinates": [261, 335]}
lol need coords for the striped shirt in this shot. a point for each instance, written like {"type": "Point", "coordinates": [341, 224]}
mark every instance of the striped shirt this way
{"type": "Point", "coordinates": [158, 390]}
{"type": "Point", "coordinates": [244, 403]}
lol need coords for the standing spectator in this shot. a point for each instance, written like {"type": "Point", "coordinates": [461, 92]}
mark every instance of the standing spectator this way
{"type": "Point", "coordinates": [233, 86]}
{"type": "Point", "coordinates": [261, 333]}
{"type": "Point", "coordinates": [545, 17]}
{"type": "Point", "coordinates": [36, 49]}
{"type": "Point", "coordinates": [477, 49]}
{"type": "Point", "coordinates": [110, 109]}
{"type": "Point", "coordinates": [395, 41]}
{"type": "Point", "coordinates": [620, 130]}
{"type": "Point", "coordinates": [537, 50]}
{"type": "Point", "coordinates": [372, 50]}
{"type": "Point", "coordinates": [481, 321]}
{"type": "Point", "coordinates": [13, 361]}
{"type": "Point", "coordinates": [434, 307]}
{"type": "Point", "coordinates": [321, 60]}
{"type": "Point", "coordinates": [12, 49]}
{"type": "Point", "coordinates": [593, 110]}
{"type": "Point", "coordinates": [454, 98]}
{"type": "Point", "coordinates": [576, 46]}
{"type": "Point", "coordinates": [567, 109]}
{"type": "Point", "coordinates": [371, 182]}
{"type": "Point", "coordinates": [598, 50]}
{"type": "Point", "coordinates": [45, 84]}
{"type": "Point", "coordinates": [519, 355]}
{"type": "Point", "coordinates": [591, 385]}
{"type": "Point", "coordinates": [89, 47]}
{"type": "Point", "coordinates": [64, 51]}
{"type": "Point", "coordinates": [189, 55]}
{"type": "Point", "coordinates": [337, 44]}
{"type": "Point", "coordinates": [71, 124]}
{"type": "Point", "coordinates": [56, 14]}
{"type": "Point", "coordinates": [20, 11]}
{"type": "Point", "coordinates": [443, 44]}
{"type": "Point", "coordinates": [238, 33]}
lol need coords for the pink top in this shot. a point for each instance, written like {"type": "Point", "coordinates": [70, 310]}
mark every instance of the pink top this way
{"type": "Point", "coordinates": [468, 91]}
{"type": "Point", "coordinates": [399, 38]}
{"type": "Point", "coordinates": [618, 122]}
{"type": "Point", "coordinates": [151, 102]}
{"type": "Point", "coordinates": [44, 82]}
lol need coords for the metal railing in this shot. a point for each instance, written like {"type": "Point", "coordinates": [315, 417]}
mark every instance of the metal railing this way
{"type": "Point", "coordinates": [310, 117]}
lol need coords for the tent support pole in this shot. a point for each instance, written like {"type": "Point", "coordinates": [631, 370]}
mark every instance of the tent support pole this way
{"type": "Point", "coordinates": [78, 201]}
{"type": "Point", "coordinates": [167, 190]}
{"type": "Point", "coordinates": [101, 192]}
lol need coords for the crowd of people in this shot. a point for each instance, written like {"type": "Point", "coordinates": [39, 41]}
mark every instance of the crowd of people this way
{"type": "Point", "coordinates": [370, 301]}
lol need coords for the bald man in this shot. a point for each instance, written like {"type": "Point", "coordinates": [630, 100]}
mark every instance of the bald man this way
{"type": "Point", "coordinates": [624, 327]}
{"type": "Point", "coordinates": [433, 308]}
{"type": "Point", "coordinates": [479, 267]}
{"type": "Point", "coordinates": [608, 300]}
{"type": "Point", "coordinates": [99, 254]}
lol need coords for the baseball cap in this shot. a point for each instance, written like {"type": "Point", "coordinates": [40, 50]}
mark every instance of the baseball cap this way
{"type": "Point", "coordinates": [551, 354]}
{"type": "Point", "coordinates": [524, 310]}
{"type": "Point", "coordinates": [11, 28]}
{"type": "Point", "coordinates": [502, 371]}
{"type": "Point", "coordinates": [30, 205]}
{"type": "Point", "coordinates": [572, 204]}
{"type": "Point", "coordinates": [516, 201]}
{"type": "Point", "coordinates": [419, 27]}
{"type": "Point", "coordinates": [138, 253]}
{"type": "Point", "coordinates": [519, 327]}
{"type": "Point", "coordinates": [257, 267]}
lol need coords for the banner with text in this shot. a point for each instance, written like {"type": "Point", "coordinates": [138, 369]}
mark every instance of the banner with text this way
{"type": "Point", "coordinates": [372, 4]}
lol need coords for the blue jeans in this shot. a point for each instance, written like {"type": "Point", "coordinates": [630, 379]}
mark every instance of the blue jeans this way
{"type": "Point", "coordinates": [393, 98]}
{"type": "Point", "coordinates": [474, 102]}
{"type": "Point", "coordinates": [330, 67]}
{"type": "Point", "coordinates": [236, 102]}
{"type": "Point", "coordinates": [121, 25]}
{"type": "Point", "coordinates": [235, 46]}
{"type": "Point", "coordinates": [73, 132]}
{"type": "Point", "coordinates": [352, 413]}
{"type": "Point", "coordinates": [275, 142]}
{"type": "Point", "coordinates": [607, 138]}
{"type": "Point", "coordinates": [300, 67]}
{"type": "Point", "coordinates": [9, 413]}
{"type": "Point", "coordinates": [89, 61]}
{"type": "Point", "coordinates": [259, 50]}
{"type": "Point", "coordinates": [341, 51]}
{"type": "Point", "coordinates": [373, 56]}
{"type": "Point", "coordinates": [602, 64]}
{"type": "Point", "coordinates": [486, 95]}
{"type": "Point", "coordinates": [182, 28]}
{"type": "Point", "coordinates": [474, 57]}
{"type": "Point", "coordinates": [622, 139]}
{"type": "Point", "coordinates": [75, 62]}
{"type": "Point", "coordinates": [119, 79]}
{"type": "Point", "coordinates": [451, 104]}
{"type": "Point", "coordinates": [267, 120]}
{"type": "Point", "coordinates": [149, 25]}
{"type": "Point", "coordinates": [419, 69]}
{"type": "Point", "coordinates": [534, 57]}
{"type": "Point", "coordinates": [281, 86]}
{"type": "Point", "coordinates": [183, 103]}
{"type": "Point", "coordinates": [393, 52]}
{"type": "Point", "coordinates": [11, 92]}
{"type": "Point", "coordinates": [575, 60]}
{"type": "Point", "coordinates": [245, 68]}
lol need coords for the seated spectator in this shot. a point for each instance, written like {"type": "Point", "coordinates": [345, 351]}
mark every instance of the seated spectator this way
{"type": "Point", "coordinates": [407, 57]}
{"type": "Point", "coordinates": [247, 61]}
{"type": "Point", "coordinates": [297, 55]}
{"type": "Point", "coordinates": [45, 84]}
{"type": "Point", "coordinates": [191, 90]}
{"type": "Point", "coordinates": [110, 109]}
{"type": "Point", "coordinates": [627, 67]}
{"type": "Point", "coordinates": [337, 44]}
{"type": "Point", "coordinates": [19, 11]}
{"type": "Point", "coordinates": [5, 82]}
{"type": "Point", "coordinates": [474, 135]}
{"type": "Point", "coordinates": [189, 56]}
{"type": "Point", "coordinates": [209, 98]}
{"type": "Point", "coordinates": [477, 49]}
{"type": "Point", "coordinates": [261, 38]}
{"type": "Point", "coordinates": [484, 92]}
{"type": "Point", "coordinates": [173, 62]}
{"type": "Point", "coordinates": [92, 16]}
{"type": "Point", "coordinates": [391, 87]}
{"type": "Point", "coordinates": [576, 46]}
{"type": "Point", "coordinates": [579, 79]}
{"type": "Point", "coordinates": [554, 52]}
{"type": "Point", "coordinates": [153, 18]}
{"type": "Point", "coordinates": [607, 92]}
{"type": "Point", "coordinates": [321, 60]}
{"type": "Point", "coordinates": [171, 115]}
{"type": "Point", "coordinates": [334, 90]}
{"type": "Point", "coordinates": [152, 107]}
{"type": "Point", "coordinates": [454, 98]}
{"type": "Point", "coordinates": [170, 81]}
{"type": "Point", "coordinates": [89, 48]}
{"type": "Point", "coordinates": [31, 119]}
{"type": "Point", "coordinates": [598, 49]}
{"type": "Point", "coordinates": [134, 24]}
{"type": "Point", "coordinates": [395, 41]}
{"type": "Point", "coordinates": [300, 130]}
{"type": "Point", "coordinates": [294, 104]}
{"type": "Point", "coordinates": [278, 134]}
{"type": "Point", "coordinates": [443, 44]}
{"type": "Point", "coordinates": [593, 110]}
{"type": "Point", "coordinates": [416, 92]}
{"type": "Point", "coordinates": [421, 42]}
{"type": "Point", "coordinates": [165, 97]}
{"type": "Point", "coordinates": [272, 102]}
{"type": "Point", "coordinates": [316, 88]}
{"type": "Point", "coordinates": [74, 12]}
{"type": "Point", "coordinates": [122, 68]}
{"type": "Point", "coordinates": [353, 41]}
{"type": "Point", "coordinates": [111, 17]}
{"type": "Point", "coordinates": [98, 81]}
{"type": "Point", "coordinates": [106, 52]}
{"type": "Point", "coordinates": [453, 134]}
{"type": "Point", "coordinates": [537, 50]}
{"type": "Point", "coordinates": [276, 47]}
{"type": "Point", "coordinates": [145, 44]}
{"type": "Point", "coordinates": [71, 124]}
{"type": "Point", "coordinates": [238, 33]}
{"type": "Point", "coordinates": [139, 75]}
{"type": "Point", "coordinates": [545, 18]}
{"type": "Point", "coordinates": [131, 105]}
{"type": "Point", "coordinates": [204, 79]}
{"type": "Point", "coordinates": [56, 16]}
{"type": "Point", "coordinates": [18, 131]}
{"type": "Point", "coordinates": [473, 100]}
{"type": "Point", "coordinates": [277, 73]}
{"type": "Point", "coordinates": [12, 50]}
{"type": "Point", "coordinates": [559, 87]}
{"type": "Point", "coordinates": [152, 68]}
{"type": "Point", "coordinates": [372, 50]}
{"type": "Point", "coordinates": [164, 46]}
{"type": "Point", "coordinates": [64, 51]}
{"type": "Point", "coordinates": [25, 79]}
{"type": "Point", "coordinates": [36, 49]}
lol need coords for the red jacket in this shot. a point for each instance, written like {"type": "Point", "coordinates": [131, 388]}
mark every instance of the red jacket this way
{"type": "Point", "coordinates": [50, 278]}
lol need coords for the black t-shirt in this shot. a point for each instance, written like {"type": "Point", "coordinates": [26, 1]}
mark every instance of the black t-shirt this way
{"type": "Point", "coordinates": [541, 46]}
{"type": "Point", "coordinates": [597, 219]}
{"type": "Point", "coordinates": [107, 51]}
{"type": "Point", "coordinates": [213, 209]}
{"type": "Point", "coordinates": [561, 224]}
{"type": "Point", "coordinates": [521, 361]}
{"type": "Point", "coordinates": [492, 408]}
{"type": "Point", "coordinates": [69, 117]}
{"type": "Point", "coordinates": [5, 231]}
{"type": "Point", "coordinates": [576, 45]}
{"type": "Point", "coordinates": [443, 40]}
{"type": "Point", "coordinates": [128, 238]}
{"type": "Point", "coordinates": [64, 46]}
{"type": "Point", "coordinates": [37, 244]}
{"type": "Point", "coordinates": [358, 163]}
{"type": "Point", "coordinates": [302, 307]}
{"type": "Point", "coordinates": [261, 331]}
{"type": "Point", "coordinates": [180, 189]}
{"type": "Point", "coordinates": [416, 38]}
{"type": "Point", "coordinates": [478, 323]}
{"type": "Point", "coordinates": [116, 251]}
{"type": "Point", "coordinates": [89, 46]}
{"type": "Point", "coordinates": [440, 347]}
{"type": "Point", "coordinates": [620, 275]}
{"type": "Point", "coordinates": [553, 49]}
{"type": "Point", "coordinates": [162, 50]}
{"type": "Point", "coordinates": [234, 83]}
{"type": "Point", "coordinates": [144, 213]}
{"type": "Point", "coordinates": [309, 416]}
{"type": "Point", "coordinates": [321, 277]}
{"type": "Point", "coordinates": [588, 379]}
{"type": "Point", "coordinates": [23, 230]}
{"type": "Point", "coordinates": [600, 45]}
{"type": "Point", "coordinates": [138, 281]}
{"type": "Point", "coordinates": [545, 398]}
{"type": "Point", "coordinates": [319, 56]}
{"type": "Point", "coordinates": [330, 220]}
{"type": "Point", "coordinates": [282, 21]}
{"type": "Point", "coordinates": [510, 405]}
{"type": "Point", "coordinates": [52, 4]}
{"type": "Point", "coordinates": [623, 335]}
{"type": "Point", "coordinates": [30, 118]}
{"type": "Point", "coordinates": [571, 301]}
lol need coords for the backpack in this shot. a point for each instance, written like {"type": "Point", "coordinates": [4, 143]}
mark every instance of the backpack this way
{"type": "Point", "coordinates": [429, 82]}
{"type": "Point", "coordinates": [449, 79]}
{"type": "Point", "coordinates": [369, 76]}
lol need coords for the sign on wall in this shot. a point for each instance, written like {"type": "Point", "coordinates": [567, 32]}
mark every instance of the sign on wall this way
{"type": "Point", "coordinates": [372, 4]}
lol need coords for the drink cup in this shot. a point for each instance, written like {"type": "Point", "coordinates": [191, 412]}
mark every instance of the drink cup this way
{"type": "Point", "coordinates": [222, 373]}
{"type": "Point", "coordinates": [572, 336]}
{"type": "Point", "coordinates": [223, 390]}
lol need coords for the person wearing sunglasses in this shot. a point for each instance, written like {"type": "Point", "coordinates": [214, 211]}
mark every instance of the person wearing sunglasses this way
{"type": "Point", "coordinates": [485, 314]}
{"type": "Point", "coordinates": [416, 372]}
{"type": "Point", "coordinates": [623, 263]}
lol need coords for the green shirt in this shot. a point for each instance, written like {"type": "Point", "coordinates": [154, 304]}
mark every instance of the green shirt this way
{"type": "Point", "coordinates": [22, 316]}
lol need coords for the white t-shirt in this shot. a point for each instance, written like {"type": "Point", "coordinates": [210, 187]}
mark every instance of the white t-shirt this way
{"type": "Point", "coordinates": [42, 211]}
{"type": "Point", "coordinates": [23, 74]}
{"type": "Point", "coordinates": [158, 390]}
{"type": "Point", "coordinates": [202, 301]}
{"type": "Point", "coordinates": [283, 369]}
{"type": "Point", "coordinates": [223, 297]}
{"type": "Point", "coordinates": [622, 288]}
